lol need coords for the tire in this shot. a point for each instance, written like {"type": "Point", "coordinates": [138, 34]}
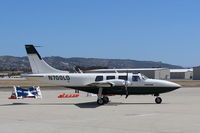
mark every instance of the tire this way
{"type": "Point", "coordinates": [100, 101]}
{"type": "Point", "coordinates": [158, 100]}
{"type": "Point", "coordinates": [106, 100]}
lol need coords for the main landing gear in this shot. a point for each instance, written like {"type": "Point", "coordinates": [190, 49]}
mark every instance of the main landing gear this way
{"type": "Point", "coordinates": [158, 99]}
{"type": "Point", "coordinates": [102, 99]}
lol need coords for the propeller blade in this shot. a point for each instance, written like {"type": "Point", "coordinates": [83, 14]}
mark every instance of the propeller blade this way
{"type": "Point", "coordinates": [126, 92]}
{"type": "Point", "coordinates": [126, 85]}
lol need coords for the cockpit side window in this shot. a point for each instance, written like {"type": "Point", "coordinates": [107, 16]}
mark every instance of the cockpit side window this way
{"type": "Point", "coordinates": [135, 78]}
{"type": "Point", "coordinates": [123, 77]}
{"type": "Point", "coordinates": [99, 78]}
{"type": "Point", "coordinates": [110, 77]}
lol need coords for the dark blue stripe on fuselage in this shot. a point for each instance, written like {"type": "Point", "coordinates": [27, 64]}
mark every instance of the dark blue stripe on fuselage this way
{"type": "Point", "coordinates": [131, 90]}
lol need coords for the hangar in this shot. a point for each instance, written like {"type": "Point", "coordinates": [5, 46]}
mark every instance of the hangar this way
{"type": "Point", "coordinates": [196, 73]}
{"type": "Point", "coordinates": [181, 74]}
{"type": "Point", "coordinates": [154, 73]}
{"type": "Point", "coordinates": [3, 75]}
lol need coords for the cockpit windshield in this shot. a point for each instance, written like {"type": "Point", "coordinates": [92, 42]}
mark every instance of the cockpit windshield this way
{"type": "Point", "coordinates": [144, 77]}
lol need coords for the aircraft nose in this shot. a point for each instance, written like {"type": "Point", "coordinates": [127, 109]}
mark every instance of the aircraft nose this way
{"type": "Point", "coordinates": [175, 85]}
{"type": "Point", "coordinates": [169, 84]}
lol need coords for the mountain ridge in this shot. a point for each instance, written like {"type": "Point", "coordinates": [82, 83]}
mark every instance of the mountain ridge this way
{"type": "Point", "coordinates": [21, 63]}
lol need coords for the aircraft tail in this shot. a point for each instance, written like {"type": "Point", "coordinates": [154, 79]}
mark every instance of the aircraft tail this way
{"type": "Point", "coordinates": [38, 65]}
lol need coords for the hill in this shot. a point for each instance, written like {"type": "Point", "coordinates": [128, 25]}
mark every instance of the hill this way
{"type": "Point", "coordinates": [22, 63]}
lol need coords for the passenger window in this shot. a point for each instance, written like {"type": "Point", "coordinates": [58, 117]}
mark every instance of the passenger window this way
{"type": "Point", "coordinates": [99, 78]}
{"type": "Point", "coordinates": [110, 77]}
{"type": "Point", "coordinates": [123, 77]}
{"type": "Point", "coordinates": [135, 78]}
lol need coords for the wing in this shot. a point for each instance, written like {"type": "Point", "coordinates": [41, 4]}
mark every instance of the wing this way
{"type": "Point", "coordinates": [108, 83]}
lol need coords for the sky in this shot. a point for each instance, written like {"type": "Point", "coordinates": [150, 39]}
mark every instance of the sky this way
{"type": "Point", "coordinates": [146, 30]}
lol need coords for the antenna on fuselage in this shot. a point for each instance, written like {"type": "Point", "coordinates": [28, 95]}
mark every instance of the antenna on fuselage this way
{"type": "Point", "coordinates": [38, 46]}
{"type": "Point", "coordinates": [75, 70]}
{"type": "Point", "coordinates": [115, 70]}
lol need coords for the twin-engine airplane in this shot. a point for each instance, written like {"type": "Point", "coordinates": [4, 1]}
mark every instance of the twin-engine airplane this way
{"type": "Point", "coordinates": [102, 84]}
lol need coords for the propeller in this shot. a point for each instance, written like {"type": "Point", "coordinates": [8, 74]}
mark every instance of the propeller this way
{"type": "Point", "coordinates": [126, 85]}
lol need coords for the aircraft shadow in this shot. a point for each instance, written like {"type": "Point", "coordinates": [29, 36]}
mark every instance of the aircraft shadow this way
{"type": "Point", "coordinates": [87, 105]}
{"type": "Point", "coordinates": [80, 105]}
{"type": "Point", "coordinates": [95, 105]}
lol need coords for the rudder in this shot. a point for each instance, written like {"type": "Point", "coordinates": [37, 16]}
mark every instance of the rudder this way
{"type": "Point", "coordinates": [38, 65]}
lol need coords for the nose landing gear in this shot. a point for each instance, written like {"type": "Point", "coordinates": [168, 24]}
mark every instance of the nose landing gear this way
{"type": "Point", "coordinates": [158, 100]}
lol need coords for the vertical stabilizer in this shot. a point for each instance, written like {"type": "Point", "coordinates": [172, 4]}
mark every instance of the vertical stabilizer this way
{"type": "Point", "coordinates": [38, 65]}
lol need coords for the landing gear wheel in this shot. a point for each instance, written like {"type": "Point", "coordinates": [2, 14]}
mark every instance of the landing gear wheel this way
{"type": "Point", "coordinates": [100, 101]}
{"type": "Point", "coordinates": [105, 99]}
{"type": "Point", "coordinates": [158, 100]}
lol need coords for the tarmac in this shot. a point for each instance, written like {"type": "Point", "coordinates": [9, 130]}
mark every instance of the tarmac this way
{"type": "Point", "coordinates": [179, 113]}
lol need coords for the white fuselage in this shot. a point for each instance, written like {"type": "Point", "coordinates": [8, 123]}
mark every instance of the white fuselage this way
{"type": "Point", "coordinates": [84, 79]}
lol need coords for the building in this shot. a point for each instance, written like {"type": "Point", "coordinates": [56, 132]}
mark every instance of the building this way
{"type": "Point", "coordinates": [196, 73]}
{"type": "Point", "coordinates": [154, 73]}
{"type": "Point", "coordinates": [3, 74]}
{"type": "Point", "coordinates": [181, 74]}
